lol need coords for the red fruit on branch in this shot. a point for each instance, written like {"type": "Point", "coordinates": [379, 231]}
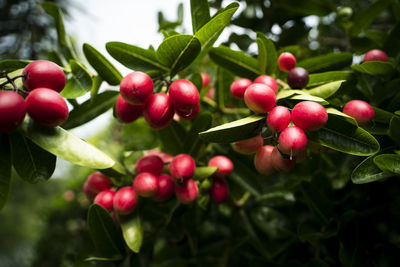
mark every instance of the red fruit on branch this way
{"type": "Point", "coordinates": [309, 116]}
{"type": "Point", "coordinates": [297, 78]}
{"type": "Point", "coordinates": [43, 73]}
{"type": "Point", "coordinates": [259, 98]}
{"type": "Point", "coordinates": [268, 81]}
{"type": "Point", "coordinates": [150, 163]}
{"type": "Point", "coordinates": [165, 188]}
{"type": "Point", "coordinates": [125, 200]}
{"type": "Point", "coordinates": [136, 88]}
{"type": "Point", "coordinates": [12, 111]}
{"type": "Point", "coordinates": [292, 141]}
{"type": "Point", "coordinates": [205, 78]}
{"type": "Point", "coordinates": [360, 110]}
{"type": "Point", "coordinates": [145, 184]}
{"type": "Point", "coordinates": [375, 55]}
{"type": "Point", "coordinates": [224, 165]}
{"type": "Point", "coordinates": [126, 112]}
{"type": "Point", "coordinates": [219, 191]}
{"type": "Point", "coordinates": [96, 183]}
{"type": "Point", "coordinates": [249, 146]}
{"type": "Point", "coordinates": [280, 163]}
{"type": "Point", "coordinates": [189, 114]}
{"type": "Point", "coordinates": [286, 61]}
{"type": "Point", "coordinates": [278, 119]}
{"type": "Point", "coordinates": [159, 111]}
{"type": "Point", "coordinates": [184, 96]}
{"type": "Point", "coordinates": [239, 86]}
{"type": "Point", "coordinates": [187, 192]}
{"type": "Point", "coordinates": [105, 199]}
{"type": "Point", "coordinates": [262, 160]}
{"type": "Point", "coordinates": [182, 167]}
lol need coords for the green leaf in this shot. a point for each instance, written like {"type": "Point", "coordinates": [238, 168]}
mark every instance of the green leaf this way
{"type": "Point", "coordinates": [97, 81]}
{"type": "Point", "coordinates": [117, 258]}
{"type": "Point", "coordinates": [200, 12]}
{"type": "Point", "coordinates": [332, 61]}
{"type": "Point", "coordinates": [193, 143]}
{"type": "Point", "coordinates": [171, 138]}
{"type": "Point", "coordinates": [367, 172]}
{"type": "Point", "coordinates": [197, 80]}
{"type": "Point", "coordinates": [235, 130]}
{"type": "Point", "coordinates": [388, 163]}
{"type": "Point", "coordinates": [329, 76]}
{"type": "Point", "coordinates": [204, 172]}
{"type": "Point", "coordinates": [9, 65]}
{"type": "Point", "coordinates": [178, 51]}
{"type": "Point", "coordinates": [326, 90]}
{"type": "Point", "coordinates": [303, 96]}
{"type": "Point", "coordinates": [222, 86]}
{"type": "Point", "coordinates": [63, 144]}
{"type": "Point", "coordinates": [5, 169]}
{"type": "Point", "coordinates": [104, 233]}
{"type": "Point", "coordinates": [382, 116]}
{"type": "Point", "coordinates": [335, 112]}
{"type": "Point", "coordinates": [394, 129]}
{"type": "Point", "coordinates": [100, 63]}
{"type": "Point", "coordinates": [90, 110]}
{"type": "Point", "coordinates": [282, 94]}
{"type": "Point", "coordinates": [79, 84]}
{"type": "Point", "coordinates": [235, 61]}
{"type": "Point", "coordinates": [377, 68]}
{"type": "Point", "coordinates": [55, 57]}
{"type": "Point", "coordinates": [31, 162]}
{"type": "Point", "coordinates": [267, 56]}
{"type": "Point", "coordinates": [134, 57]}
{"type": "Point", "coordinates": [132, 231]}
{"type": "Point", "coordinates": [342, 135]}
{"type": "Point", "coordinates": [366, 16]}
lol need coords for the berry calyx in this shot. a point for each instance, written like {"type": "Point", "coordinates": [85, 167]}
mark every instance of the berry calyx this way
{"type": "Point", "coordinates": [239, 86]}
{"type": "Point", "coordinates": [145, 184]}
{"type": "Point", "coordinates": [105, 199]}
{"type": "Point", "coordinates": [375, 55]}
{"type": "Point", "coordinates": [262, 160]}
{"type": "Point", "coordinates": [269, 81]}
{"type": "Point", "coordinates": [278, 119]}
{"type": "Point", "coordinates": [43, 73]}
{"type": "Point", "coordinates": [286, 61]}
{"type": "Point", "coordinates": [165, 188]}
{"type": "Point", "coordinates": [125, 200]}
{"type": "Point", "coordinates": [126, 112]}
{"type": "Point", "coordinates": [187, 192]}
{"type": "Point", "coordinates": [360, 110]}
{"type": "Point", "coordinates": [182, 167]}
{"type": "Point", "coordinates": [280, 163]}
{"type": "Point", "coordinates": [12, 111]}
{"type": "Point", "coordinates": [149, 163]}
{"type": "Point", "coordinates": [184, 96]}
{"type": "Point", "coordinates": [159, 111]}
{"type": "Point", "coordinates": [309, 116]}
{"type": "Point", "coordinates": [46, 107]}
{"type": "Point", "coordinates": [292, 141]}
{"type": "Point", "coordinates": [259, 98]}
{"type": "Point", "coordinates": [249, 146]}
{"type": "Point", "coordinates": [219, 191]}
{"type": "Point", "coordinates": [205, 78]}
{"type": "Point", "coordinates": [224, 165]}
{"type": "Point", "coordinates": [298, 78]}
{"type": "Point", "coordinates": [136, 88]}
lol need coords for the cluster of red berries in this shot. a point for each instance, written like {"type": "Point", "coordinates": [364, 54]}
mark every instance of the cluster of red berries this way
{"type": "Point", "coordinates": [155, 181]}
{"type": "Point", "coordinates": [44, 80]}
{"type": "Point", "coordinates": [136, 98]}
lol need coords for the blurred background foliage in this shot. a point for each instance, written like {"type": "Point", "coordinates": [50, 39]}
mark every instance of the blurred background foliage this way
{"type": "Point", "coordinates": [332, 222]}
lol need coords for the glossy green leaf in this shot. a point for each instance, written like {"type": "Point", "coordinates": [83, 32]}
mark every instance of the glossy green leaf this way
{"type": "Point", "coordinates": [200, 12]}
{"type": "Point", "coordinates": [100, 63]}
{"type": "Point", "coordinates": [65, 145]}
{"type": "Point", "coordinates": [326, 90]}
{"type": "Point", "coordinates": [171, 138]}
{"type": "Point", "coordinates": [97, 81]}
{"type": "Point", "coordinates": [381, 115]}
{"type": "Point", "coordinates": [394, 129]}
{"type": "Point", "coordinates": [10, 65]}
{"type": "Point", "coordinates": [55, 57]}
{"type": "Point", "coordinates": [132, 231]}
{"type": "Point", "coordinates": [303, 96]}
{"type": "Point", "coordinates": [326, 62]}
{"type": "Point", "coordinates": [79, 84]}
{"type": "Point", "coordinates": [105, 235]}
{"type": "Point", "coordinates": [367, 172]}
{"type": "Point", "coordinates": [204, 172]}
{"type": "Point", "coordinates": [282, 94]}
{"type": "Point", "coordinates": [335, 112]}
{"type": "Point", "coordinates": [235, 130]}
{"type": "Point", "coordinates": [178, 51]}
{"type": "Point", "coordinates": [374, 68]}
{"type": "Point", "coordinates": [197, 80]}
{"type": "Point", "coordinates": [134, 57]}
{"type": "Point", "coordinates": [235, 61]}
{"type": "Point", "coordinates": [31, 162]}
{"type": "Point", "coordinates": [222, 86]}
{"type": "Point", "coordinates": [328, 77]}
{"type": "Point", "coordinates": [267, 56]}
{"type": "Point", "coordinates": [341, 135]}
{"type": "Point", "coordinates": [90, 110]}
{"type": "Point", "coordinates": [193, 143]}
{"type": "Point", "coordinates": [388, 163]}
{"type": "Point", "coordinates": [5, 169]}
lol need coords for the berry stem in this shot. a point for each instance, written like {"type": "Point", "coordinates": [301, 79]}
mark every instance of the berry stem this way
{"type": "Point", "coordinates": [282, 83]}
{"type": "Point", "coordinates": [11, 81]}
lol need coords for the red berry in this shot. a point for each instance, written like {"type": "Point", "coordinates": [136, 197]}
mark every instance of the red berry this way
{"type": "Point", "coordinates": [166, 158]}
{"type": "Point", "coordinates": [125, 200]}
{"type": "Point", "coordinates": [239, 86]}
{"type": "Point", "coordinates": [159, 111]}
{"type": "Point", "coordinates": [259, 98]}
{"type": "Point", "coordinates": [43, 73]}
{"type": "Point", "coordinates": [280, 163]}
{"type": "Point", "coordinates": [184, 96]}
{"type": "Point", "coordinates": [286, 61]}
{"type": "Point", "coordinates": [105, 199]}
{"type": "Point", "coordinates": [149, 163]}
{"type": "Point", "coordinates": [269, 81]}
{"type": "Point", "coordinates": [360, 110]}
{"type": "Point", "coordinates": [46, 107]}
{"type": "Point", "coordinates": [309, 116]}
{"type": "Point", "coordinates": [262, 160]}
{"type": "Point", "coordinates": [205, 78]}
{"type": "Point", "coordinates": [210, 93]}
{"type": "Point", "coordinates": [249, 146]}
{"type": "Point", "coordinates": [190, 114]}
{"type": "Point", "coordinates": [278, 119]}
{"type": "Point", "coordinates": [88, 190]}
{"type": "Point", "coordinates": [292, 141]}
{"type": "Point", "coordinates": [12, 111]}
{"type": "Point", "coordinates": [219, 191]}
{"type": "Point", "coordinates": [145, 184]}
{"type": "Point", "coordinates": [187, 192]}
{"type": "Point", "coordinates": [375, 55]}
{"type": "Point", "coordinates": [136, 88]}
{"type": "Point", "coordinates": [98, 182]}
{"type": "Point", "coordinates": [126, 112]}
{"type": "Point", "coordinates": [182, 167]}
{"type": "Point", "coordinates": [297, 78]}
{"type": "Point", "coordinates": [224, 165]}
{"type": "Point", "coordinates": [165, 188]}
